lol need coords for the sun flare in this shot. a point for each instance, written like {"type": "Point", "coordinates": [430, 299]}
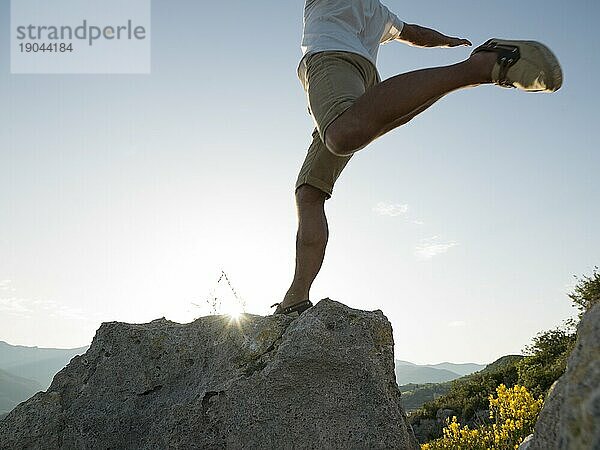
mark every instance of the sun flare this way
{"type": "Point", "coordinates": [234, 312]}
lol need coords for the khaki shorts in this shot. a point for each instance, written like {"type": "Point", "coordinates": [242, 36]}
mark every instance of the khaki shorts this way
{"type": "Point", "coordinates": [332, 80]}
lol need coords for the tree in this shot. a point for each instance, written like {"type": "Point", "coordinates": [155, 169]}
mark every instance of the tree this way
{"type": "Point", "coordinates": [586, 292]}
{"type": "Point", "coordinates": [546, 358]}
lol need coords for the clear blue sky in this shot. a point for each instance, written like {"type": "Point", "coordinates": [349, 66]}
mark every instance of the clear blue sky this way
{"type": "Point", "coordinates": [123, 196]}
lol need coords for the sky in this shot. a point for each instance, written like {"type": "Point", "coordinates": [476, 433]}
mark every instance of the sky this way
{"type": "Point", "coordinates": [123, 197]}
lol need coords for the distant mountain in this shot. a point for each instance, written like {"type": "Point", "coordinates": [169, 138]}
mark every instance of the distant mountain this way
{"type": "Point", "coordinates": [422, 375]}
{"type": "Point", "coordinates": [415, 395]}
{"type": "Point", "coordinates": [410, 373]}
{"type": "Point", "coordinates": [461, 369]}
{"type": "Point", "coordinates": [14, 390]}
{"type": "Point", "coordinates": [34, 363]}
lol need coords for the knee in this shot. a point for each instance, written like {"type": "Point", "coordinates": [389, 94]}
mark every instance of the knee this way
{"type": "Point", "coordinates": [343, 140]}
{"type": "Point", "coordinates": [307, 195]}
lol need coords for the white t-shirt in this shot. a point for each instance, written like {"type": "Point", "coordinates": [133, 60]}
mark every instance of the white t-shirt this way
{"type": "Point", "coordinates": [356, 26]}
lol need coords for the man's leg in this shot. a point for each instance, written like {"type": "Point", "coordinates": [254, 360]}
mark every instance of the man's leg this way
{"type": "Point", "coordinates": [395, 101]}
{"type": "Point", "coordinates": [311, 240]}
{"type": "Point", "coordinates": [405, 119]}
{"type": "Point", "coordinates": [313, 233]}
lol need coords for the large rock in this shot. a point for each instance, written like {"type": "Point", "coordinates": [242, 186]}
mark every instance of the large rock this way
{"type": "Point", "coordinates": [570, 419]}
{"type": "Point", "coordinates": [321, 380]}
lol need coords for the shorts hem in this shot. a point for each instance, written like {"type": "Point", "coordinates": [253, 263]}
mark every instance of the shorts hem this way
{"type": "Point", "coordinates": [315, 182]}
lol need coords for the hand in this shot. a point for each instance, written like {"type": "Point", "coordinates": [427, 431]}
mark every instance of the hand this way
{"type": "Point", "coordinates": [457, 42]}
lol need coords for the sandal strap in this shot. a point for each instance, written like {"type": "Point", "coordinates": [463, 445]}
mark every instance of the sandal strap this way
{"type": "Point", "coordinates": [508, 55]}
{"type": "Point", "coordinates": [300, 307]}
{"type": "Point", "coordinates": [297, 307]}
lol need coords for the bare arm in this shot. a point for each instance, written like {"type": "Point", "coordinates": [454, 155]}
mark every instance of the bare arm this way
{"type": "Point", "coordinates": [425, 37]}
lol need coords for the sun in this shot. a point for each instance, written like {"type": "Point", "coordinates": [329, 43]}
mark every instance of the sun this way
{"type": "Point", "coordinates": [235, 312]}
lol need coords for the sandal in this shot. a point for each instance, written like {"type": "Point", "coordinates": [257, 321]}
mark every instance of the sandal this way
{"type": "Point", "coordinates": [526, 65]}
{"type": "Point", "coordinates": [298, 307]}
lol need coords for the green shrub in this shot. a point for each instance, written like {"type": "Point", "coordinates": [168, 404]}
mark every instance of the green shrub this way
{"type": "Point", "coordinates": [546, 358]}
{"type": "Point", "coordinates": [586, 292]}
{"type": "Point", "coordinates": [514, 411]}
{"type": "Point", "coordinates": [544, 362]}
{"type": "Point", "coordinates": [470, 394]}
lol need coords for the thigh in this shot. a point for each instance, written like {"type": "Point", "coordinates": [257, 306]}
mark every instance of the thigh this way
{"type": "Point", "coordinates": [333, 82]}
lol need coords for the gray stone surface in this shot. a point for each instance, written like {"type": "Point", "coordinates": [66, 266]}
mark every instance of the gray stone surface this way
{"type": "Point", "coordinates": [321, 380]}
{"type": "Point", "coordinates": [426, 430]}
{"type": "Point", "coordinates": [570, 419]}
{"type": "Point", "coordinates": [442, 415]}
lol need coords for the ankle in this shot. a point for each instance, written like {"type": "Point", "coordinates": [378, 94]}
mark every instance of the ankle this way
{"type": "Point", "coordinates": [482, 64]}
{"type": "Point", "coordinates": [294, 296]}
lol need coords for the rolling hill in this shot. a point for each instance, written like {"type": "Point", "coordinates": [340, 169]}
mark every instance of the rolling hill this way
{"type": "Point", "coordinates": [14, 389]}
{"type": "Point", "coordinates": [27, 370]}
{"type": "Point", "coordinates": [410, 373]}
{"type": "Point", "coordinates": [35, 363]}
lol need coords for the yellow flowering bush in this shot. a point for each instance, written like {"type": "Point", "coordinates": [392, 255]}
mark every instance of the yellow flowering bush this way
{"type": "Point", "coordinates": [514, 411]}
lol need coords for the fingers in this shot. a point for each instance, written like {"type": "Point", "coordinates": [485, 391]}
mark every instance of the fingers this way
{"type": "Point", "coordinates": [457, 42]}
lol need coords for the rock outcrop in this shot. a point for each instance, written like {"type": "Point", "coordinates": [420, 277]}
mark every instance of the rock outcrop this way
{"type": "Point", "coordinates": [321, 380]}
{"type": "Point", "coordinates": [570, 418]}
